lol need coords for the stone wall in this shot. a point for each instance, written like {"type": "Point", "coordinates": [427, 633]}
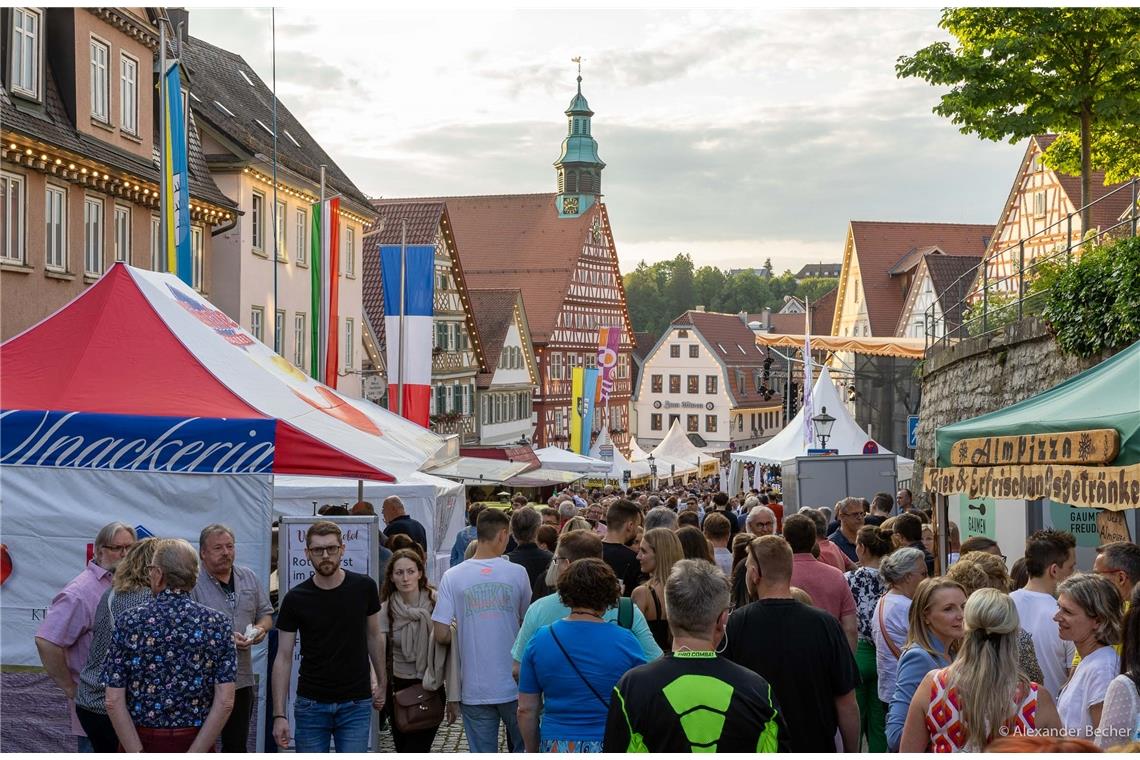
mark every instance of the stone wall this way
{"type": "Point", "coordinates": [984, 374]}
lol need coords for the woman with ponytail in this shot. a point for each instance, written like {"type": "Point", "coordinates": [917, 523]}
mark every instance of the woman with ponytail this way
{"type": "Point", "coordinates": [982, 695]}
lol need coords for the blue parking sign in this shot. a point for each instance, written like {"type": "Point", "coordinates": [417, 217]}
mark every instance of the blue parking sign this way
{"type": "Point", "coordinates": [912, 431]}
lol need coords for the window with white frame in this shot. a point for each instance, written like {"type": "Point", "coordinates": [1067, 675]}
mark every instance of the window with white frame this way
{"type": "Point", "coordinates": [256, 218]}
{"type": "Point", "coordinates": [299, 339]}
{"type": "Point", "coordinates": [122, 233]}
{"type": "Point", "coordinates": [129, 94]}
{"type": "Point", "coordinates": [302, 235]}
{"type": "Point", "coordinates": [93, 236]}
{"type": "Point", "coordinates": [196, 281]}
{"type": "Point", "coordinates": [281, 217]}
{"type": "Point", "coordinates": [256, 322]}
{"type": "Point", "coordinates": [100, 80]}
{"type": "Point", "coordinates": [349, 343]}
{"type": "Point", "coordinates": [279, 332]}
{"type": "Point", "coordinates": [349, 252]}
{"type": "Point", "coordinates": [12, 241]}
{"type": "Point", "coordinates": [556, 366]}
{"type": "Point", "coordinates": [25, 62]}
{"type": "Point", "coordinates": [55, 222]}
{"type": "Point", "coordinates": [157, 252]}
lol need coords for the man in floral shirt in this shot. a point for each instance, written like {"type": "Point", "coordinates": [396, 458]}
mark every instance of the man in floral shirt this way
{"type": "Point", "coordinates": [171, 668]}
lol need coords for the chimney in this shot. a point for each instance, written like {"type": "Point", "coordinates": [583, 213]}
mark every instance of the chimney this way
{"type": "Point", "coordinates": [699, 307]}
{"type": "Point", "coordinates": [743, 316]}
{"type": "Point", "coordinates": [179, 16]}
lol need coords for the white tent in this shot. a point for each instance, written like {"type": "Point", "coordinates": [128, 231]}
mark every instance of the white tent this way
{"type": "Point", "coordinates": [436, 503]}
{"type": "Point", "coordinates": [563, 459]}
{"type": "Point", "coordinates": [789, 443]}
{"type": "Point", "coordinates": [620, 465]}
{"type": "Point", "coordinates": [636, 453]}
{"type": "Point", "coordinates": [676, 449]}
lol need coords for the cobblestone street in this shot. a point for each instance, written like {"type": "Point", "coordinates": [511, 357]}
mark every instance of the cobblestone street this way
{"type": "Point", "coordinates": [449, 738]}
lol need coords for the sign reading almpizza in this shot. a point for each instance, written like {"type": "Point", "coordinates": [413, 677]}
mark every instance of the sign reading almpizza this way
{"type": "Point", "coordinates": [1103, 487]}
{"type": "Point", "coordinates": [1082, 447]}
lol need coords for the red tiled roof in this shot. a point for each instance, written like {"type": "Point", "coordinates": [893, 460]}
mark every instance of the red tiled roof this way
{"type": "Point", "coordinates": [422, 222]}
{"type": "Point", "coordinates": [788, 324]}
{"type": "Point", "coordinates": [735, 346]}
{"type": "Point", "coordinates": [1104, 214]}
{"type": "Point", "coordinates": [644, 343]}
{"type": "Point", "coordinates": [494, 312]}
{"type": "Point", "coordinates": [879, 246]}
{"type": "Point", "coordinates": [372, 289]}
{"type": "Point", "coordinates": [951, 278]}
{"type": "Point", "coordinates": [823, 313]}
{"type": "Point", "coordinates": [518, 241]}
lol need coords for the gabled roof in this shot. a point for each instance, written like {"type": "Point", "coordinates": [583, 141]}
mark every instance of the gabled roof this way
{"type": "Point", "coordinates": [1104, 214]}
{"type": "Point", "coordinates": [53, 124]}
{"type": "Point", "coordinates": [818, 270]}
{"type": "Point", "coordinates": [644, 345]}
{"type": "Point", "coordinates": [879, 246]}
{"type": "Point", "coordinates": [951, 278]}
{"type": "Point", "coordinates": [225, 77]}
{"type": "Point", "coordinates": [494, 313]}
{"type": "Point", "coordinates": [518, 241]}
{"type": "Point", "coordinates": [734, 346]}
{"type": "Point", "coordinates": [823, 313]}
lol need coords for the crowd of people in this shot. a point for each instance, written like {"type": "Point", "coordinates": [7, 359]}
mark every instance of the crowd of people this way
{"type": "Point", "coordinates": [682, 620]}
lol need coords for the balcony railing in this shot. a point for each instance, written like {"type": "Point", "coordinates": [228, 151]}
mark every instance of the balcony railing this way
{"type": "Point", "coordinates": [988, 302]}
{"type": "Point", "coordinates": [463, 425]}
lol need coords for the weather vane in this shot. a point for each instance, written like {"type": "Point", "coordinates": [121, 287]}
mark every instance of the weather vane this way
{"type": "Point", "coordinates": [578, 60]}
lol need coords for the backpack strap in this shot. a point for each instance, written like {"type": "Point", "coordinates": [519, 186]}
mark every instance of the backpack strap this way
{"type": "Point", "coordinates": [625, 612]}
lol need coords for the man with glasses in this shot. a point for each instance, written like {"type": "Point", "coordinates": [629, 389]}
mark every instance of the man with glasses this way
{"type": "Point", "coordinates": [337, 613]}
{"type": "Point", "coordinates": [851, 516]}
{"type": "Point", "coordinates": [64, 638]}
{"type": "Point", "coordinates": [235, 592]}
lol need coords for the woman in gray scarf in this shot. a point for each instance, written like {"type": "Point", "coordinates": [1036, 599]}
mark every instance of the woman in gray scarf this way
{"type": "Point", "coordinates": [405, 621]}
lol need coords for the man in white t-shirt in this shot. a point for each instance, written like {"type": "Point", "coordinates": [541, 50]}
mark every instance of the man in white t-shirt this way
{"type": "Point", "coordinates": [1050, 557]}
{"type": "Point", "coordinates": [487, 596]}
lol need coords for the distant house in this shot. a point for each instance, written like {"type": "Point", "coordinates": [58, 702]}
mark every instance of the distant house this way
{"type": "Point", "coordinates": [758, 271]}
{"type": "Point", "coordinates": [941, 282]}
{"type": "Point", "coordinates": [707, 373]}
{"type": "Point", "coordinates": [1043, 209]}
{"type": "Point", "coordinates": [792, 305]}
{"type": "Point", "coordinates": [819, 270]}
{"type": "Point", "coordinates": [506, 389]}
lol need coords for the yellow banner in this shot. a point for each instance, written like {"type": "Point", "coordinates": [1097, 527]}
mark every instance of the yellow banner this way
{"type": "Point", "coordinates": [1113, 488]}
{"type": "Point", "coordinates": [577, 406]}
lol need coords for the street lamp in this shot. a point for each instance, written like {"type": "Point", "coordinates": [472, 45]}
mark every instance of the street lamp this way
{"type": "Point", "coordinates": [823, 423]}
{"type": "Point", "coordinates": [653, 471]}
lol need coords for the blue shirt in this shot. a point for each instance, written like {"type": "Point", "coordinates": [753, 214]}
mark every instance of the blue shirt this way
{"type": "Point", "coordinates": [914, 663]}
{"type": "Point", "coordinates": [550, 608]}
{"type": "Point", "coordinates": [602, 653]}
{"type": "Point", "coordinates": [168, 655]}
{"type": "Point", "coordinates": [459, 548]}
{"type": "Point", "coordinates": [844, 545]}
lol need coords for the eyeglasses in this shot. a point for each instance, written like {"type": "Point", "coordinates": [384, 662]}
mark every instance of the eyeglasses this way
{"type": "Point", "coordinates": [324, 551]}
{"type": "Point", "coordinates": [118, 548]}
{"type": "Point", "coordinates": [1109, 571]}
{"type": "Point", "coordinates": [558, 559]}
{"type": "Point", "coordinates": [852, 514]}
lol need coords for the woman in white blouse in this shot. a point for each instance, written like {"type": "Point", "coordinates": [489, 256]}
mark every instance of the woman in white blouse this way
{"type": "Point", "coordinates": [1120, 717]}
{"type": "Point", "coordinates": [1088, 614]}
{"type": "Point", "coordinates": [902, 570]}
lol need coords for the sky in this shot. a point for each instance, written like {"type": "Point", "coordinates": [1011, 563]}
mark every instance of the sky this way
{"type": "Point", "coordinates": [731, 135]}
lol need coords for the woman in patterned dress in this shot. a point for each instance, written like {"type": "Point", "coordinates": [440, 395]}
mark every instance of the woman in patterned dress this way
{"type": "Point", "coordinates": [867, 586]}
{"type": "Point", "coordinates": [982, 695]}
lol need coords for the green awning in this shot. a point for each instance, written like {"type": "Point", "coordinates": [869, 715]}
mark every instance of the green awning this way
{"type": "Point", "coordinates": [1105, 396]}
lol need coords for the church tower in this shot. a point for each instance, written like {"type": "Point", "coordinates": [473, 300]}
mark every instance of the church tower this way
{"type": "Point", "coordinates": [579, 167]}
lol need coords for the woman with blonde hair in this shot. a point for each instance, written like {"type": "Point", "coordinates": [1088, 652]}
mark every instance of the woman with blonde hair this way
{"type": "Point", "coordinates": [130, 589]}
{"type": "Point", "coordinates": [982, 695]}
{"type": "Point", "coordinates": [1088, 614]}
{"type": "Point", "coordinates": [660, 550]}
{"type": "Point", "coordinates": [577, 523]}
{"type": "Point", "coordinates": [935, 627]}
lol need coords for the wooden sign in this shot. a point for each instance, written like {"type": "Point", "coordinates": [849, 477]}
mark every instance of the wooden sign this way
{"type": "Point", "coordinates": [1112, 526]}
{"type": "Point", "coordinates": [1082, 447]}
{"type": "Point", "coordinates": [1112, 488]}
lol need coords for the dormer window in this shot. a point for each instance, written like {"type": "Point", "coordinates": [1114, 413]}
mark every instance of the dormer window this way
{"type": "Point", "coordinates": [27, 35]}
{"type": "Point", "coordinates": [246, 77]}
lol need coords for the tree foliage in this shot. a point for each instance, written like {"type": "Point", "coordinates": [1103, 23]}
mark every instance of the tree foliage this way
{"type": "Point", "coordinates": [1116, 152]}
{"type": "Point", "coordinates": [1016, 72]}
{"type": "Point", "coordinates": [658, 293]}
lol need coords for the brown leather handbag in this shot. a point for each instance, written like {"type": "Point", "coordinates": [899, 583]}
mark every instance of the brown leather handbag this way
{"type": "Point", "coordinates": [414, 708]}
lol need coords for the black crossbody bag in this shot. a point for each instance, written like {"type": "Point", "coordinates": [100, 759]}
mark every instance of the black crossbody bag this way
{"type": "Point", "coordinates": [570, 660]}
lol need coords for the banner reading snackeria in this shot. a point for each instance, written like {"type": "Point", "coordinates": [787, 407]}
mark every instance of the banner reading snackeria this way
{"type": "Point", "coordinates": [1112, 488]}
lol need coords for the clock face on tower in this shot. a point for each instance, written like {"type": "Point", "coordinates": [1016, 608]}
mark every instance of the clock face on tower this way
{"type": "Point", "coordinates": [570, 204]}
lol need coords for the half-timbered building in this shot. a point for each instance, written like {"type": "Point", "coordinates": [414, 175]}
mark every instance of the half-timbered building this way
{"type": "Point", "coordinates": [456, 353]}
{"type": "Point", "coordinates": [1043, 209]}
{"type": "Point", "coordinates": [506, 389]}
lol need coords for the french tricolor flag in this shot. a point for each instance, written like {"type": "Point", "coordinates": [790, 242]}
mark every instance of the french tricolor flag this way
{"type": "Point", "coordinates": [414, 367]}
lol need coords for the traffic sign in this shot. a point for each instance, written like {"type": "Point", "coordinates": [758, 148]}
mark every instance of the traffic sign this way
{"type": "Point", "coordinates": [870, 447]}
{"type": "Point", "coordinates": [912, 431]}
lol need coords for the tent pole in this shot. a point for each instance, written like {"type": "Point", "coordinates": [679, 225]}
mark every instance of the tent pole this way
{"type": "Point", "coordinates": [400, 354]}
{"type": "Point", "coordinates": [360, 490]}
{"type": "Point", "coordinates": [942, 526]}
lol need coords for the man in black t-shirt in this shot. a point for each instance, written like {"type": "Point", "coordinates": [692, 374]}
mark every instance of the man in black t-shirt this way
{"type": "Point", "coordinates": [337, 613]}
{"type": "Point", "coordinates": [399, 521]}
{"type": "Point", "coordinates": [622, 521]}
{"type": "Point", "coordinates": [691, 700]}
{"type": "Point", "coordinates": [800, 650]}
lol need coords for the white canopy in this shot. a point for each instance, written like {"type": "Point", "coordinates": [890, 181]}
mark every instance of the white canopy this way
{"type": "Point", "coordinates": [676, 447]}
{"type": "Point", "coordinates": [789, 443]}
{"type": "Point", "coordinates": [636, 453]}
{"type": "Point", "coordinates": [620, 464]}
{"type": "Point", "coordinates": [564, 459]}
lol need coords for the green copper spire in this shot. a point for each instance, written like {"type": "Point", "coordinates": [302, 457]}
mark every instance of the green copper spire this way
{"type": "Point", "coordinates": [579, 167]}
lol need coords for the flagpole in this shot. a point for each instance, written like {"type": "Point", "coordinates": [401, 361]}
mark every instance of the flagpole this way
{"type": "Point", "coordinates": [322, 337]}
{"type": "Point", "coordinates": [277, 339]}
{"type": "Point", "coordinates": [163, 190]}
{"type": "Point", "coordinates": [400, 344]}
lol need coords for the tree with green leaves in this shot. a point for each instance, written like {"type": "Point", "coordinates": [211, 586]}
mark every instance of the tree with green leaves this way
{"type": "Point", "coordinates": [1016, 72]}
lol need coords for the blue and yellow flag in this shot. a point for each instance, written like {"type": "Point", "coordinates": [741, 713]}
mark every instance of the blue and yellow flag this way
{"type": "Point", "coordinates": [577, 406]}
{"type": "Point", "coordinates": [176, 204]}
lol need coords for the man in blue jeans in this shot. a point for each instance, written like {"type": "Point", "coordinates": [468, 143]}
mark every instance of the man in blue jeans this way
{"type": "Point", "coordinates": [487, 596]}
{"type": "Point", "coordinates": [337, 613]}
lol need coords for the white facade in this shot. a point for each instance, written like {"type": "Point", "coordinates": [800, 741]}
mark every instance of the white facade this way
{"type": "Point", "coordinates": [506, 411]}
{"type": "Point", "coordinates": [243, 272]}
